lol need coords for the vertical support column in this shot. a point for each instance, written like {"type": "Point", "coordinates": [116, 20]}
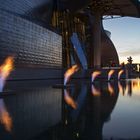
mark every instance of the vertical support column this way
{"type": "Point", "coordinates": [96, 38]}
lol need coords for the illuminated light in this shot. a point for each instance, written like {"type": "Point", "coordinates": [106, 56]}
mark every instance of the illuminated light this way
{"type": "Point", "coordinates": [121, 89]}
{"type": "Point", "coordinates": [127, 89]}
{"type": "Point", "coordinates": [69, 100]}
{"type": "Point", "coordinates": [94, 75]}
{"type": "Point", "coordinates": [95, 91]}
{"type": "Point", "coordinates": [5, 70]}
{"type": "Point", "coordinates": [110, 89]}
{"type": "Point", "coordinates": [133, 86]}
{"type": "Point", "coordinates": [110, 74]}
{"type": "Point", "coordinates": [66, 33]}
{"type": "Point", "coordinates": [69, 73]}
{"type": "Point", "coordinates": [138, 67]}
{"type": "Point", "coordinates": [77, 135]}
{"type": "Point", "coordinates": [5, 117]}
{"type": "Point", "coordinates": [120, 73]}
{"type": "Point", "coordinates": [66, 122]}
{"type": "Point", "coordinates": [136, 86]}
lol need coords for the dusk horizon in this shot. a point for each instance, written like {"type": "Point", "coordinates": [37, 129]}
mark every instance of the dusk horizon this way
{"type": "Point", "coordinates": [125, 35]}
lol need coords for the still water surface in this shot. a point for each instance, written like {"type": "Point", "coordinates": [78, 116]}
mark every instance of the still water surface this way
{"type": "Point", "coordinates": [43, 110]}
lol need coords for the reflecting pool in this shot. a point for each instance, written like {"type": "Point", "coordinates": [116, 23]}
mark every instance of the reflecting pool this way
{"type": "Point", "coordinates": [45, 110]}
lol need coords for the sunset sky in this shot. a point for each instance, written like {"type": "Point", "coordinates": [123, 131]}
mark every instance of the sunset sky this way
{"type": "Point", "coordinates": [125, 34]}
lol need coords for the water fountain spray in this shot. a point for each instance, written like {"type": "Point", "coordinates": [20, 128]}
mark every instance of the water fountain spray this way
{"type": "Point", "coordinates": [69, 100]}
{"type": "Point", "coordinates": [110, 74]}
{"type": "Point", "coordinates": [120, 73]}
{"type": "Point", "coordinates": [94, 75]}
{"type": "Point", "coordinates": [5, 70]}
{"type": "Point", "coordinates": [69, 73]}
{"type": "Point", "coordinates": [95, 91]}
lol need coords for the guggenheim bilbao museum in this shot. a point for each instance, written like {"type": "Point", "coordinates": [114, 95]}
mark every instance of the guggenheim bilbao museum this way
{"type": "Point", "coordinates": [47, 36]}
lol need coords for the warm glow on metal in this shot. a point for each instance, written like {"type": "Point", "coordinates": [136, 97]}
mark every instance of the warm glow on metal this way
{"type": "Point", "coordinates": [95, 91]}
{"type": "Point", "coordinates": [69, 100]}
{"type": "Point", "coordinates": [110, 89]}
{"type": "Point", "coordinates": [94, 75]}
{"type": "Point", "coordinates": [66, 122]}
{"type": "Point", "coordinates": [6, 67]}
{"type": "Point", "coordinates": [5, 70]}
{"type": "Point", "coordinates": [120, 73]}
{"type": "Point", "coordinates": [5, 117]}
{"type": "Point", "coordinates": [69, 73]}
{"type": "Point", "coordinates": [110, 74]}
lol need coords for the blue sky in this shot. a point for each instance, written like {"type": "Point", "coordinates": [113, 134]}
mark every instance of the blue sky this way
{"type": "Point", "coordinates": [125, 34]}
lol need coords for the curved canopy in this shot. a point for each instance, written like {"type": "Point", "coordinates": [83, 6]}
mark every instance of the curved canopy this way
{"type": "Point", "coordinates": [108, 7]}
{"type": "Point", "coordinates": [125, 8]}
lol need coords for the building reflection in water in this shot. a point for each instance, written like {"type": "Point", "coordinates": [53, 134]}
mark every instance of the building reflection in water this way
{"type": "Point", "coordinates": [135, 85]}
{"type": "Point", "coordinates": [29, 112]}
{"type": "Point", "coordinates": [110, 89]}
{"type": "Point", "coordinates": [79, 111]}
{"type": "Point", "coordinates": [129, 86]}
{"type": "Point", "coordinates": [69, 100]}
{"type": "Point", "coordinates": [95, 90]}
{"type": "Point", "coordinates": [125, 118]}
{"type": "Point", "coordinates": [5, 118]}
{"type": "Point", "coordinates": [94, 107]}
{"type": "Point", "coordinates": [121, 88]}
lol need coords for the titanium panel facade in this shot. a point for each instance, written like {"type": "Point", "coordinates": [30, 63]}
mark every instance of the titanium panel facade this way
{"type": "Point", "coordinates": [40, 10]}
{"type": "Point", "coordinates": [31, 44]}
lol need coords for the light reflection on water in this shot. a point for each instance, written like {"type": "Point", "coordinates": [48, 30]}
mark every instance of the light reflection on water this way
{"type": "Point", "coordinates": [125, 122]}
{"type": "Point", "coordinates": [102, 110]}
{"type": "Point", "coordinates": [5, 118]}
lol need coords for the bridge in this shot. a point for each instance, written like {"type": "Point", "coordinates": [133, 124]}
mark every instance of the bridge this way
{"type": "Point", "coordinates": [97, 10]}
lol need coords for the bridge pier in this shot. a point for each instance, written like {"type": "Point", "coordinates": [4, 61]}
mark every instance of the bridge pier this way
{"type": "Point", "coordinates": [95, 48]}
